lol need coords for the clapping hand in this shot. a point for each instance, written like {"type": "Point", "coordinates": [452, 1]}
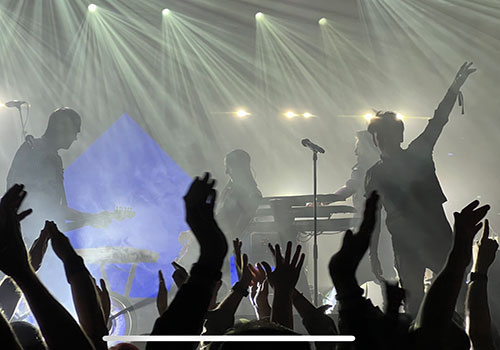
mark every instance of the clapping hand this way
{"type": "Point", "coordinates": [485, 251]}
{"type": "Point", "coordinates": [13, 256]}
{"type": "Point", "coordinates": [60, 243]}
{"type": "Point", "coordinates": [39, 248]}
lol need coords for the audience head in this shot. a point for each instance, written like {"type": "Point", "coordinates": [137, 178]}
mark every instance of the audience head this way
{"type": "Point", "coordinates": [387, 130]}
{"type": "Point", "coordinates": [63, 127]}
{"type": "Point", "coordinates": [260, 327]}
{"type": "Point", "coordinates": [28, 335]}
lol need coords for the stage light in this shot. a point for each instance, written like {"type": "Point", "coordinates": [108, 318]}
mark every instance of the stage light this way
{"type": "Point", "coordinates": [322, 21]}
{"type": "Point", "coordinates": [259, 15]}
{"type": "Point", "coordinates": [369, 116]}
{"type": "Point", "coordinates": [399, 116]}
{"type": "Point", "coordinates": [307, 115]}
{"type": "Point", "coordinates": [92, 8]}
{"type": "Point", "coordinates": [241, 113]}
{"type": "Point", "coordinates": [290, 114]}
{"type": "Point", "coordinates": [165, 12]}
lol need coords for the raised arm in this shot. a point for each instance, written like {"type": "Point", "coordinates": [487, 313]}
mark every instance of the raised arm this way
{"type": "Point", "coordinates": [477, 309]}
{"type": "Point", "coordinates": [428, 138]}
{"type": "Point", "coordinates": [186, 312]}
{"type": "Point", "coordinates": [222, 317]}
{"type": "Point", "coordinates": [85, 298]}
{"type": "Point", "coordinates": [9, 339]}
{"type": "Point", "coordinates": [283, 279]}
{"type": "Point", "coordinates": [436, 311]}
{"type": "Point", "coordinates": [57, 325]}
{"type": "Point", "coordinates": [9, 293]}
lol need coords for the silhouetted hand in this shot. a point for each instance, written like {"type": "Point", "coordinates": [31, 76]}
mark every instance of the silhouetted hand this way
{"type": "Point", "coordinates": [60, 243]}
{"type": "Point", "coordinates": [162, 296]}
{"type": "Point", "coordinates": [237, 255]}
{"type": "Point", "coordinates": [180, 275]}
{"type": "Point", "coordinates": [39, 248]}
{"type": "Point", "coordinates": [462, 75]}
{"type": "Point", "coordinates": [13, 256]}
{"type": "Point", "coordinates": [104, 298]}
{"type": "Point", "coordinates": [286, 274]}
{"type": "Point", "coordinates": [467, 225]}
{"type": "Point", "coordinates": [376, 267]}
{"type": "Point", "coordinates": [485, 251]}
{"type": "Point", "coordinates": [258, 277]}
{"type": "Point", "coordinates": [200, 202]}
{"type": "Point", "coordinates": [394, 298]}
{"type": "Point", "coordinates": [354, 246]}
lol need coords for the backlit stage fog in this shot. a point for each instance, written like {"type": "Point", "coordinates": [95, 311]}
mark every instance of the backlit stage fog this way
{"type": "Point", "coordinates": [166, 89]}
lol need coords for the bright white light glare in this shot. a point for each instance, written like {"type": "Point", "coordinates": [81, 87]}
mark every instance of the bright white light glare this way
{"type": "Point", "coordinates": [290, 114]}
{"type": "Point", "coordinates": [92, 8]}
{"type": "Point", "coordinates": [323, 21]}
{"type": "Point", "coordinates": [165, 12]}
{"type": "Point", "coordinates": [307, 115]}
{"type": "Point", "coordinates": [241, 113]}
{"type": "Point", "coordinates": [368, 116]}
{"type": "Point", "coordinates": [399, 116]}
{"type": "Point", "coordinates": [2, 105]}
{"type": "Point", "coordinates": [259, 15]}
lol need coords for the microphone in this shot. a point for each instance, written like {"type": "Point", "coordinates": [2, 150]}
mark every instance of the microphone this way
{"type": "Point", "coordinates": [314, 147]}
{"type": "Point", "coordinates": [15, 103]}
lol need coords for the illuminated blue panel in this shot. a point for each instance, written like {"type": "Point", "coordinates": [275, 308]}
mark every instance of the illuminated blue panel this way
{"type": "Point", "coordinates": [126, 167]}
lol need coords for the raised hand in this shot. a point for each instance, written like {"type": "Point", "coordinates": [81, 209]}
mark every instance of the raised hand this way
{"type": "Point", "coordinates": [180, 275]}
{"type": "Point", "coordinates": [462, 75]}
{"type": "Point", "coordinates": [39, 248]}
{"type": "Point", "coordinates": [13, 256]}
{"type": "Point", "coordinates": [485, 251]}
{"type": "Point", "coordinates": [237, 256]}
{"type": "Point", "coordinates": [162, 296]}
{"type": "Point", "coordinates": [467, 225]}
{"type": "Point", "coordinates": [200, 203]}
{"type": "Point", "coordinates": [258, 277]}
{"type": "Point", "coordinates": [286, 274]}
{"type": "Point", "coordinates": [354, 246]}
{"type": "Point", "coordinates": [104, 299]}
{"type": "Point", "coordinates": [60, 243]}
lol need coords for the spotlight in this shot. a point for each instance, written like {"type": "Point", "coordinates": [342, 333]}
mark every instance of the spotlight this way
{"type": "Point", "coordinates": [399, 116]}
{"type": "Point", "coordinates": [259, 15]}
{"type": "Point", "coordinates": [307, 115]}
{"type": "Point", "coordinates": [92, 8]}
{"type": "Point", "coordinates": [322, 21]}
{"type": "Point", "coordinates": [290, 114]}
{"type": "Point", "coordinates": [368, 116]}
{"type": "Point", "coordinates": [241, 113]}
{"type": "Point", "coordinates": [165, 12]}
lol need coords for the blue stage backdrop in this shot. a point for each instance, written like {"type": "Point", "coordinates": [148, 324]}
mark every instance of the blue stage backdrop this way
{"type": "Point", "coordinates": [125, 167]}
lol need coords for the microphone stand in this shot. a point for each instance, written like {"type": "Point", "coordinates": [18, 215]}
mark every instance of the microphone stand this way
{"type": "Point", "coordinates": [315, 225]}
{"type": "Point", "coordinates": [23, 127]}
